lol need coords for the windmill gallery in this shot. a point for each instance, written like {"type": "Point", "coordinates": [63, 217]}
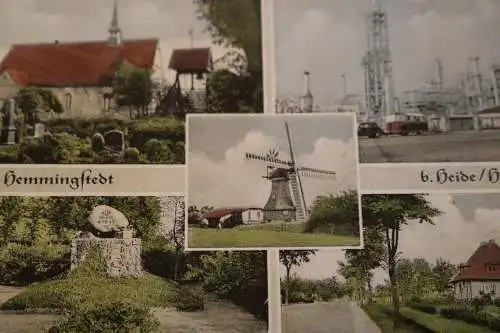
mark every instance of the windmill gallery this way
{"type": "Point", "coordinates": [285, 178]}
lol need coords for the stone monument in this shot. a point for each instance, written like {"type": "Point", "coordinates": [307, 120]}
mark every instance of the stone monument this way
{"type": "Point", "coordinates": [9, 131]}
{"type": "Point", "coordinates": [111, 143]}
{"type": "Point", "coordinates": [121, 251]}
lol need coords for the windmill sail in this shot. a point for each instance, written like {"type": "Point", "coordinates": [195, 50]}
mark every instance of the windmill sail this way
{"type": "Point", "coordinates": [296, 183]}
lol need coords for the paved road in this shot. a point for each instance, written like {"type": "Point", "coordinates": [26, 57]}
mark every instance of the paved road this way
{"type": "Point", "coordinates": [469, 146]}
{"type": "Point", "coordinates": [334, 317]}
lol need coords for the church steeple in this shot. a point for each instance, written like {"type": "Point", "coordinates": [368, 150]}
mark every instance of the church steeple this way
{"type": "Point", "coordinates": [115, 33]}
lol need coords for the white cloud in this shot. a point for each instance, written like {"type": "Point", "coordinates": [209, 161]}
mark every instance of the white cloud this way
{"type": "Point", "coordinates": [452, 238]}
{"type": "Point", "coordinates": [235, 181]}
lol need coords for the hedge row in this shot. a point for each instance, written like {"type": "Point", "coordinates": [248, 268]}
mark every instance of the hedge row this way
{"type": "Point", "coordinates": [475, 318]}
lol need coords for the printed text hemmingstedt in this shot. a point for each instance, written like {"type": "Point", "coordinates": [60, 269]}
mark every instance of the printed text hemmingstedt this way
{"type": "Point", "coordinates": [87, 177]}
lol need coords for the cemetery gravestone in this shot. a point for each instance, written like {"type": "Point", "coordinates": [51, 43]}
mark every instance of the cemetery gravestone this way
{"type": "Point", "coordinates": [114, 141]}
{"type": "Point", "coordinates": [8, 135]}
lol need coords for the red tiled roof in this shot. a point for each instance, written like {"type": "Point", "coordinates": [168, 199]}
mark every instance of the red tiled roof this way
{"type": "Point", "coordinates": [193, 60]}
{"type": "Point", "coordinates": [74, 63]}
{"type": "Point", "coordinates": [218, 213]}
{"type": "Point", "coordinates": [477, 267]}
{"type": "Point", "coordinates": [18, 77]}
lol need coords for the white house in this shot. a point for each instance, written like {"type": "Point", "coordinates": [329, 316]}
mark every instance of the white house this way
{"type": "Point", "coordinates": [231, 217]}
{"type": "Point", "coordinates": [481, 273]}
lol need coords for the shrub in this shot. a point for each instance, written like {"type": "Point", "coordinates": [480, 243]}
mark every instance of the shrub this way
{"type": "Point", "coordinates": [23, 264]}
{"type": "Point", "coordinates": [158, 150]}
{"type": "Point", "coordinates": [132, 155]}
{"type": "Point", "coordinates": [158, 258]}
{"type": "Point", "coordinates": [427, 308]}
{"type": "Point", "coordinates": [115, 317]}
{"type": "Point", "coordinates": [471, 317]}
{"type": "Point", "coordinates": [190, 298]}
{"type": "Point", "coordinates": [9, 154]}
{"type": "Point", "coordinates": [58, 148]}
{"type": "Point", "coordinates": [161, 128]}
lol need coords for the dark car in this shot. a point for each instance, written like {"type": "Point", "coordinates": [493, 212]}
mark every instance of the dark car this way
{"type": "Point", "coordinates": [370, 129]}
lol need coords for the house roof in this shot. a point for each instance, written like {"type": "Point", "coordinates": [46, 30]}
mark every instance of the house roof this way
{"type": "Point", "coordinates": [194, 60]}
{"type": "Point", "coordinates": [220, 212]}
{"type": "Point", "coordinates": [74, 63]}
{"type": "Point", "coordinates": [477, 267]}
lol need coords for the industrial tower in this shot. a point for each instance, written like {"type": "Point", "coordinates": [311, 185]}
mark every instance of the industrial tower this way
{"type": "Point", "coordinates": [377, 64]}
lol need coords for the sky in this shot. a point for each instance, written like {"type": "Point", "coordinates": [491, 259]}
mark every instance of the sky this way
{"type": "Point", "coordinates": [467, 221]}
{"type": "Point", "coordinates": [32, 21]}
{"type": "Point", "coordinates": [219, 175]}
{"type": "Point", "coordinates": [328, 38]}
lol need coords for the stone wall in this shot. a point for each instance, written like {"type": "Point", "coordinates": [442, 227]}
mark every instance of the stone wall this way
{"type": "Point", "coordinates": [278, 215]}
{"type": "Point", "coordinates": [122, 257]}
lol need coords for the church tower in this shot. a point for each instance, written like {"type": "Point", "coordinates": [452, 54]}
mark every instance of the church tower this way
{"type": "Point", "coordinates": [306, 100]}
{"type": "Point", "coordinates": [115, 33]}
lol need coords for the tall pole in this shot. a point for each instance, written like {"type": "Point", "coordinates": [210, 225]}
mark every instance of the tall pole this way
{"type": "Point", "coordinates": [344, 85]}
{"type": "Point", "coordinates": [191, 42]}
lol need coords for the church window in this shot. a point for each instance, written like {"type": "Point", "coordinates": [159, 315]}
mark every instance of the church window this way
{"type": "Point", "coordinates": [106, 102]}
{"type": "Point", "coordinates": [68, 99]}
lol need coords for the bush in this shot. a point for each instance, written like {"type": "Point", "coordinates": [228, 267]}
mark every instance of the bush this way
{"type": "Point", "coordinates": [132, 155]}
{"type": "Point", "coordinates": [158, 150]}
{"type": "Point", "coordinates": [427, 308]}
{"type": "Point", "coordinates": [9, 154]}
{"type": "Point", "coordinates": [116, 317]}
{"type": "Point", "coordinates": [190, 298]}
{"type": "Point", "coordinates": [161, 128]}
{"type": "Point", "coordinates": [471, 317]}
{"type": "Point", "coordinates": [158, 258]}
{"type": "Point", "coordinates": [23, 264]}
{"type": "Point", "coordinates": [58, 148]}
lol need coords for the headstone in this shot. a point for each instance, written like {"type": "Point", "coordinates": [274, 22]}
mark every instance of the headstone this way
{"type": "Point", "coordinates": [107, 219]}
{"type": "Point", "coordinates": [39, 130]}
{"type": "Point", "coordinates": [8, 136]}
{"type": "Point", "coordinates": [114, 142]}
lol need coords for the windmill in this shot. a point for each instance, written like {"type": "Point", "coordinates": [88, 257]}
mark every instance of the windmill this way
{"type": "Point", "coordinates": [286, 200]}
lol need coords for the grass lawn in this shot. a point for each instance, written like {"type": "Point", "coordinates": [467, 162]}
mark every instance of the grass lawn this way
{"type": "Point", "coordinates": [250, 237]}
{"type": "Point", "coordinates": [384, 321]}
{"type": "Point", "coordinates": [439, 324]}
{"type": "Point", "coordinates": [82, 290]}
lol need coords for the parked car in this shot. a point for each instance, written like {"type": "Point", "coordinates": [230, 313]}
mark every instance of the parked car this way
{"type": "Point", "coordinates": [370, 129]}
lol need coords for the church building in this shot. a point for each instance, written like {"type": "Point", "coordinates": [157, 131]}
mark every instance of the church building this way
{"type": "Point", "coordinates": [80, 74]}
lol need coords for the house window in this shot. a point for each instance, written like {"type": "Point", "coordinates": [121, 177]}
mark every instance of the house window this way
{"type": "Point", "coordinates": [68, 99]}
{"type": "Point", "coordinates": [285, 212]}
{"type": "Point", "coordinates": [492, 288]}
{"type": "Point", "coordinates": [258, 214]}
{"type": "Point", "coordinates": [492, 268]}
{"type": "Point", "coordinates": [249, 215]}
{"type": "Point", "coordinates": [106, 102]}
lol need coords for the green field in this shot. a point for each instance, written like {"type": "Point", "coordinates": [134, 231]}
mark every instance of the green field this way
{"type": "Point", "coordinates": [266, 235]}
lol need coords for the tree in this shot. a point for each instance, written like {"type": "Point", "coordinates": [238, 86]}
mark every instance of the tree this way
{"type": "Point", "coordinates": [359, 264]}
{"type": "Point", "coordinates": [240, 276]}
{"type": "Point", "coordinates": [390, 212]}
{"type": "Point", "coordinates": [442, 272]}
{"type": "Point", "coordinates": [235, 24]}
{"type": "Point", "coordinates": [292, 258]}
{"type": "Point", "coordinates": [231, 92]}
{"type": "Point", "coordinates": [133, 88]}
{"type": "Point", "coordinates": [32, 100]}
{"type": "Point", "coordinates": [177, 233]}
{"type": "Point", "coordinates": [336, 214]}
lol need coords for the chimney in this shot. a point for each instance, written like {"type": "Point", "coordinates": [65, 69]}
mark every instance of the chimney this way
{"type": "Point", "coordinates": [306, 101]}
{"type": "Point", "coordinates": [56, 41]}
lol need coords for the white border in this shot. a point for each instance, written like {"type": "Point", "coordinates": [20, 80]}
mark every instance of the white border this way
{"type": "Point", "coordinates": [121, 188]}
{"type": "Point", "coordinates": [273, 115]}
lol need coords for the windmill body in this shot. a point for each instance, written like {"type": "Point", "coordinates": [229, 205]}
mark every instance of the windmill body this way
{"type": "Point", "coordinates": [286, 200]}
{"type": "Point", "coordinates": [279, 206]}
